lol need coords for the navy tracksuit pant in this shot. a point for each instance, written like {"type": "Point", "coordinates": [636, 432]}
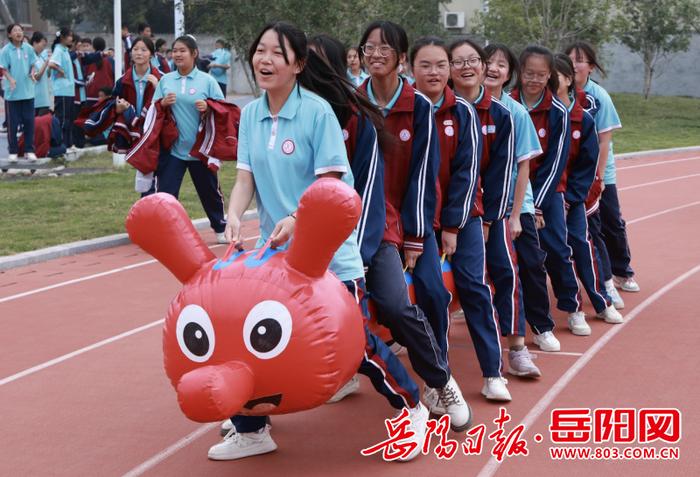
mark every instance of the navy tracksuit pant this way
{"type": "Point", "coordinates": [502, 265]}
{"type": "Point", "coordinates": [169, 176]}
{"type": "Point", "coordinates": [594, 228]}
{"type": "Point", "coordinates": [63, 110]}
{"type": "Point", "coordinates": [431, 295]}
{"type": "Point", "coordinates": [469, 270]}
{"type": "Point", "coordinates": [379, 364]}
{"type": "Point", "coordinates": [585, 258]}
{"type": "Point", "coordinates": [20, 113]}
{"type": "Point", "coordinates": [558, 262]}
{"type": "Point", "coordinates": [407, 322]}
{"type": "Point", "coordinates": [614, 233]}
{"type": "Point", "coordinates": [533, 276]}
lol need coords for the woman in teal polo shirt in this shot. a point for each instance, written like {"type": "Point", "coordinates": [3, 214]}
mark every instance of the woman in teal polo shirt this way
{"type": "Point", "coordinates": [17, 60]}
{"type": "Point", "coordinates": [42, 99]}
{"type": "Point", "coordinates": [63, 82]}
{"type": "Point", "coordinates": [185, 92]}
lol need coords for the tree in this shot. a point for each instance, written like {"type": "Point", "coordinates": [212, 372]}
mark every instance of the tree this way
{"type": "Point", "coordinates": [239, 21]}
{"type": "Point", "coordinates": [550, 23]}
{"type": "Point", "coordinates": [71, 12]}
{"type": "Point", "coordinates": [655, 29]}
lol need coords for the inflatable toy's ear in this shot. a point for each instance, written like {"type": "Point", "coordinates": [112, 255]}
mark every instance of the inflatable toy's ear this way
{"type": "Point", "coordinates": [328, 212]}
{"type": "Point", "coordinates": [159, 224]}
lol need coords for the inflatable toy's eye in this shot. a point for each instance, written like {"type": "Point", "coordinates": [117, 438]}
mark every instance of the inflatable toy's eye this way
{"type": "Point", "coordinates": [267, 329]}
{"type": "Point", "coordinates": [195, 333]}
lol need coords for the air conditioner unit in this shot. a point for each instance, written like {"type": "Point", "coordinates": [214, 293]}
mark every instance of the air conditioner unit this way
{"type": "Point", "coordinates": [453, 20]}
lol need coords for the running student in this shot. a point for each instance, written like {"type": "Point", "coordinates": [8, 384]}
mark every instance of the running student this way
{"type": "Point", "coordinates": [63, 82]}
{"type": "Point", "coordinates": [42, 98]}
{"type": "Point", "coordinates": [355, 72]}
{"type": "Point", "coordinates": [288, 138]}
{"type": "Point", "coordinates": [411, 165]}
{"type": "Point", "coordinates": [575, 183]}
{"type": "Point", "coordinates": [537, 86]}
{"type": "Point", "coordinates": [220, 64]}
{"type": "Point", "coordinates": [17, 61]}
{"type": "Point", "coordinates": [531, 279]}
{"type": "Point", "coordinates": [469, 264]}
{"type": "Point", "coordinates": [613, 232]}
{"type": "Point", "coordinates": [185, 92]}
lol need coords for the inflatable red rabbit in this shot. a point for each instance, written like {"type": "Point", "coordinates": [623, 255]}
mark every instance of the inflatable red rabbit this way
{"type": "Point", "coordinates": [259, 332]}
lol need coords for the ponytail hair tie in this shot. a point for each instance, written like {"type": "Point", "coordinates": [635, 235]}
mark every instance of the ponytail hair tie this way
{"type": "Point", "coordinates": [58, 33]}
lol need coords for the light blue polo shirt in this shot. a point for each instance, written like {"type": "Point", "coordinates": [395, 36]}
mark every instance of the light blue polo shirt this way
{"type": "Point", "coordinates": [194, 86]}
{"type": "Point", "coordinates": [140, 83]}
{"type": "Point", "coordinates": [285, 154]}
{"type": "Point", "coordinates": [438, 105]}
{"type": "Point", "coordinates": [65, 85]}
{"type": "Point", "coordinates": [606, 119]}
{"type": "Point", "coordinates": [42, 98]}
{"type": "Point", "coordinates": [390, 104]}
{"type": "Point", "coordinates": [527, 146]}
{"type": "Point", "coordinates": [19, 62]}
{"type": "Point", "coordinates": [358, 80]}
{"type": "Point", "coordinates": [220, 56]}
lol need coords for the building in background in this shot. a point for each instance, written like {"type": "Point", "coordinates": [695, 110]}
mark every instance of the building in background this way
{"type": "Point", "coordinates": [25, 12]}
{"type": "Point", "coordinates": [458, 16]}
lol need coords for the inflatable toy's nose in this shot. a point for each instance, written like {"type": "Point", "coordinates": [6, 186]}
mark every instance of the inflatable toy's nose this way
{"type": "Point", "coordinates": [213, 393]}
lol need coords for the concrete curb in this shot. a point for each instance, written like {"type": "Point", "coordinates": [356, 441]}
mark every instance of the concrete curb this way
{"type": "Point", "coordinates": [635, 155]}
{"type": "Point", "coordinates": [73, 248]}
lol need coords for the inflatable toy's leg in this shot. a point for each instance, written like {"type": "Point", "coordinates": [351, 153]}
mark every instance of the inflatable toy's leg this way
{"type": "Point", "coordinates": [469, 269]}
{"type": "Point", "coordinates": [431, 294]}
{"type": "Point", "coordinates": [407, 323]}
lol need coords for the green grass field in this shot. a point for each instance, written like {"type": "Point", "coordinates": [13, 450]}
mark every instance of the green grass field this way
{"type": "Point", "coordinates": [39, 212]}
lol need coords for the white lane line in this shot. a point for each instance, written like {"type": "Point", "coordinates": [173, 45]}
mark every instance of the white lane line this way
{"type": "Point", "coordinates": [548, 353]}
{"type": "Point", "coordinates": [73, 354]}
{"type": "Point", "coordinates": [91, 277]}
{"type": "Point", "coordinates": [662, 212]}
{"type": "Point", "coordinates": [543, 404]}
{"type": "Point", "coordinates": [659, 163]}
{"type": "Point", "coordinates": [167, 452]}
{"type": "Point", "coordinates": [647, 184]}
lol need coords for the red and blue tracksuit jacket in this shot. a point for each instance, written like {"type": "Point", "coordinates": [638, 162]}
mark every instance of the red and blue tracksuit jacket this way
{"type": "Point", "coordinates": [367, 164]}
{"type": "Point", "coordinates": [551, 120]}
{"type": "Point", "coordinates": [459, 133]}
{"type": "Point", "coordinates": [581, 167]}
{"type": "Point", "coordinates": [125, 89]}
{"type": "Point", "coordinates": [217, 138]}
{"type": "Point", "coordinates": [498, 156]}
{"type": "Point", "coordinates": [411, 164]}
{"type": "Point", "coordinates": [99, 73]}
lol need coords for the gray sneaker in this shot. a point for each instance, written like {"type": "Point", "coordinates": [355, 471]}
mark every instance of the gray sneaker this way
{"type": "Point", "coordinates": [239, 445]}
{"type": "Point", "coordinates": [520, 364]}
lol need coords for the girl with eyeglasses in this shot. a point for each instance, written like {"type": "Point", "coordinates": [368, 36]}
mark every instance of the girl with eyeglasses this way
{"type": "Point", "coordinates": [528, 293]}
{"type": "Point", "coordinates": [611, 240]}
{"type": "Point", "coordinates": [537, 86]}
{"type": "Point", "coordinates": [575, 183]}
{"type": "Point", "coordinates": [411, 163]}
{"type": "Point", "coordinates": [468, 70]}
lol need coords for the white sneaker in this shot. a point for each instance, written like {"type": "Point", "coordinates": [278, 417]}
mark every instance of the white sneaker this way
{"type": "Point", "coordinates": [452, 401]}
{"type": "Point", "coordinates": [239, 445]}
{"type": "Point", "coordinates": [610, 315]}
{"type": "Point", "coordinates": [495, 389]}
{"type": "Point", "coordinates": [578, 325]}
{"type": "Point", "coordinates": [418, 417]}
{"type": "Point", "coordinates": [431, 398]}
{"type": "Point", "coordinates": [31, 156]}
{"type": "Point", "coordinates": [12, 158]}
{"type": "Point", "coordinates": [348, 388]}
{"type": "Point", "coordinates": [226, 426]}
{"type": "Point", "coordinates": [520, 364]}
{"type": "Point", "coordinates": [221, 238]}
{"type": "Point", "coordinates": [628, 284]}
{"type": "Point", "coordinates": [614, 295]}
{"type": "Point", "coordinates": [547, 341]}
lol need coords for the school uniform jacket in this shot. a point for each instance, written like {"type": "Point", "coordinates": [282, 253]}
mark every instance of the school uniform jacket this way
{"type": "Point", "coordinates": [159, 131]}
{"type": "Point", "coordinates": [581, 167]}
{"type": "Point", "coordinates": [459, 132]}
{"type": "Point", "coordinates": [217, 138]}
{"type": "Point", "coordinates": [498, 156]}
{"type": "Point", "coordinates": [99, 74]}
{"type": "Point", "coordinates": [551, 120]}
{"type": "Point", "coordinates": [367, 165]}
{"type": "Point", "coordinates": [48, 138]}
{"type": "Point", "coordinates": [411, 165]}
{"type": "Point", "coordinates": [126, 89]}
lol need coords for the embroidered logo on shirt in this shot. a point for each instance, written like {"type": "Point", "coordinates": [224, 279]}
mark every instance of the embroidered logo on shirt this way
{"type": "Point", "coordinates": [576, 134]}
{"type": "Point", "coordinates": [542, 132]}
{"type": "Point", "coordinates": [346, 134]}
{"type": "Point", "coordinates": [449, 131]}
{"type": "Point", "coordinates": [490, 129]}
{"type": "Point", "coordinates": [405, 135]}
{"type": "Point", "coordinates": [288, 146]}
{"type": "Point", "coordinates": [193, 91]}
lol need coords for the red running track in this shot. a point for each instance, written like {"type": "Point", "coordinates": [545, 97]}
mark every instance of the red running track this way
{"type": "Point", "coordinates": [83, 392]}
